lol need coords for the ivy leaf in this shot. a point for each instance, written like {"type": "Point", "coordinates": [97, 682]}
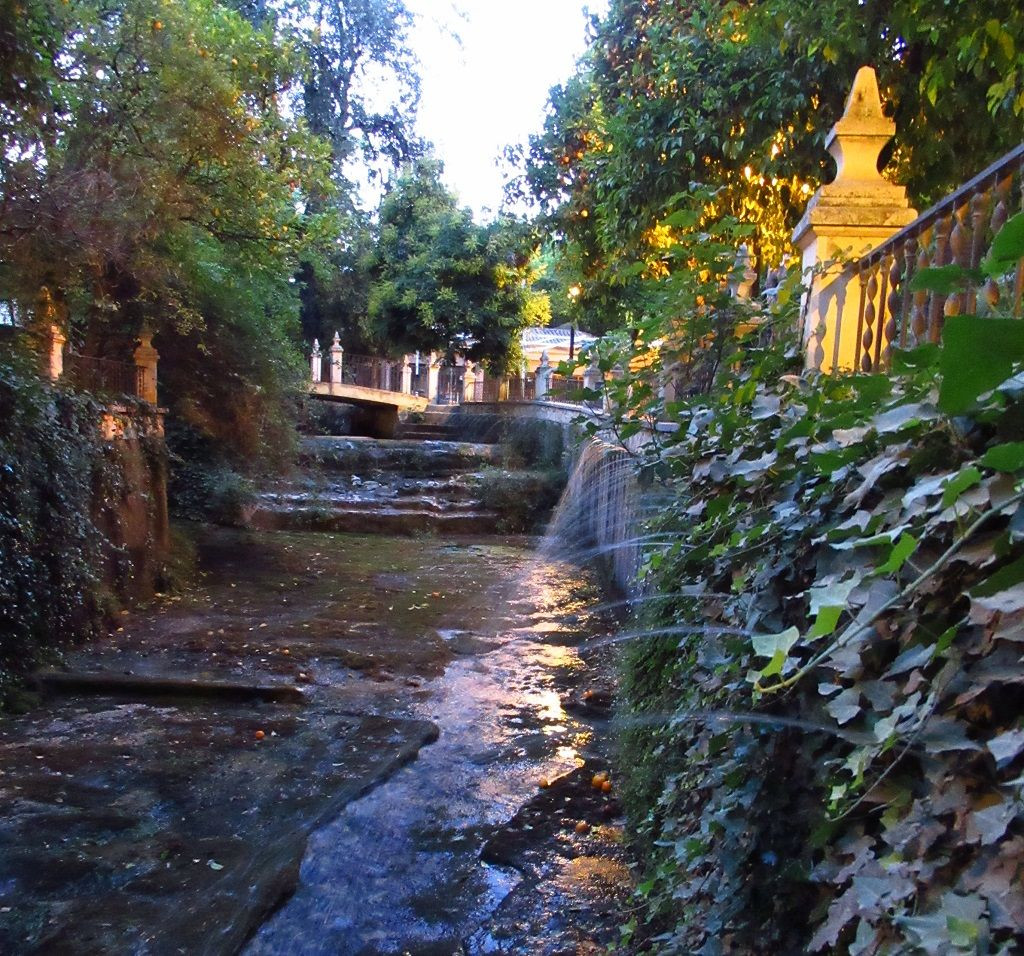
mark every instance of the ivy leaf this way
{"type": "Point", "coordinates": [912, 360]}
{"type": "Point", "coordinates": [845, 707]}
{"type": "Point", "coordinates": [836, 594]}
{"type": "Point", "coordinates": [903, 415]}
{"type": "Point", "coordinates": [904, 547]}
{"type": "Point", "coordinates": [1007, 248]}
{"type": "Point", "coordinates": [977, 355]}
{"type": "Point", "coordinates": [768, 645]}
{"type": "Point", "coordinates": [1004, 579]}
{"type": "Point", "coordinates": [1007, 457]}
{"type": "Point", "coordinates": [1006, 746]}
{"type": "Point", "coordinates": [955, 487]}
{"type": "Point", "coordinates": [943, 280]}
{"type": "Point", "coordinates": [826, 622]}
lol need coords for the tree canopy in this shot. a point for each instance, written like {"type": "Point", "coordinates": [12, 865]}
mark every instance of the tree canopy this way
{"type": "Point", "coordinates": [439, 280]}
{"type": "Point", "coordinates": [739, 97]}
{"type": "Point", "coordinates": [190, 166]}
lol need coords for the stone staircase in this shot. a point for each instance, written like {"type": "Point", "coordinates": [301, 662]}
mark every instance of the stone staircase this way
{"type": "Point", "coordinates": [439, 423]}
{"type": "Point", "coordinates": [418, 483]}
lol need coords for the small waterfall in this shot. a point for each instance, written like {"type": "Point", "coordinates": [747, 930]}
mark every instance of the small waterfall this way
{"type": "Point", "coordinates": [599, 516]}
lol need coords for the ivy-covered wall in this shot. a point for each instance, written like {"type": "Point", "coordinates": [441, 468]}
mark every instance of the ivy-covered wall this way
{"type": "Point", "coordinates": [825, 742]}
{"type": "Point", "coordinates": [83, 523]}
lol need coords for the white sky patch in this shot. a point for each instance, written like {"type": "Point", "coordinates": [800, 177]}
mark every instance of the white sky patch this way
{"type": "Point", "coordinates": [490, 91]}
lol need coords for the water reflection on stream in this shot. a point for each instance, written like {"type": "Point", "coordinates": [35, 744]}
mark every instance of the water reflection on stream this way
{"type": "Point", "coordinates": [399, 870]}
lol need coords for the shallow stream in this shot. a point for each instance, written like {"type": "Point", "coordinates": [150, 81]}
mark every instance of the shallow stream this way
{"type": "Point", "coordinates": [335, 743]}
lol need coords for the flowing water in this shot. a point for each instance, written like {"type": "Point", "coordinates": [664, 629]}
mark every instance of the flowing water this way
{"type": "Point", "coordinates": [178, 822]}
{"type": "Point", "coordinates": [400, 870]}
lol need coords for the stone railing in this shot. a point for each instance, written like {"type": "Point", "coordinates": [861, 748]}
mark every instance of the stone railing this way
{"type": "Point", "coordinates": [445, 384]}
{"type": "Point", "coordinates": [861, 245]}
{"type": "Point", "coordinates": [100, 374]}
{"type": "Point", "coordinates": [957, 231]}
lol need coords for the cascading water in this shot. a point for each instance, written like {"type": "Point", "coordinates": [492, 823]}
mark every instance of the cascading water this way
{"type": "Point", "coordinates": [600, 513]}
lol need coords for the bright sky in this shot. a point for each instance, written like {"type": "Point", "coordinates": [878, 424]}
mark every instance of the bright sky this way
{"type": "Point", "coordinates": [491, 90]}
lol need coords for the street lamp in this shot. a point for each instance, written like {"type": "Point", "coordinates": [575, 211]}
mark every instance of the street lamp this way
{"type": "Point", "coordinates": [574, 294]}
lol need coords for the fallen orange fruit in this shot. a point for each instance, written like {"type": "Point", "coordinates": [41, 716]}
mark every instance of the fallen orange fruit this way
{"type": "Point", "coordinates": [259, 735]}
{"type": "Point", "coordinates": [582, 826]}
{"type": "Point", "coordinates": [607, 786]}
{"type": "Point", "coordinates": [544, 783]}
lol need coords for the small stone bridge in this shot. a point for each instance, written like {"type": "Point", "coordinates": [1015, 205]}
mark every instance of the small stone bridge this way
{"type": "Point", "coordinates": [384, 388]}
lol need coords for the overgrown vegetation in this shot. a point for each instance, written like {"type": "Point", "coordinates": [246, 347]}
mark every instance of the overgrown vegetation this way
{"type": "Point", "coordinates": [58, 477]}
{"type": "Point", "coordinates": [825, 742]}
{"type": "Point", "coordinates": [523, 499]}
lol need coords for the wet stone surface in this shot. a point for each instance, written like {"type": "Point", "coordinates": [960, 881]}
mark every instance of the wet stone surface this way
{"type": "Point", "coordinates": [178, 824]}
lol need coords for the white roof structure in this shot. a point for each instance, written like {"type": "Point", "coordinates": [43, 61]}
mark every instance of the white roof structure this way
{"type": "Point", "coordinates": [553, 338]}
{"type": "Point", "coordinates": [554, 341]}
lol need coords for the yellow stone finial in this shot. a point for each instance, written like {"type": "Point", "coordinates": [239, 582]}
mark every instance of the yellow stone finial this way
{"type": "Point", "coordinates": [860, 135]}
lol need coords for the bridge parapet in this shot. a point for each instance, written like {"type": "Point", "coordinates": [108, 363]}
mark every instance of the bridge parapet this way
{"type": "Point", "coordinates": [427, 379]}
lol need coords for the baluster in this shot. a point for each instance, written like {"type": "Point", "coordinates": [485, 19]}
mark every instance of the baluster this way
{"type": "Point", "coordinates": [1018, 286]}
{"type": "Point", "coordinates": [895, 303]}
{"type": "Point", "coordinates": [869, 320]}
{"type": "Point", "coordinates": [919, 306]}
{"type": "Point", "coordinates": [882, 318]}
{"type": "Point", "coordinates": [936, 302]}
{"type": "Point", "coordinates": [980, 204]}
{"type": "Point", "coordinates": [860, 323]}
{"type": "Point", "coordinates": [960, 250]}
{"type": "Point", "coordinates": [908, 254]}
{"type": "Point", "coordinates": [1000, 213]}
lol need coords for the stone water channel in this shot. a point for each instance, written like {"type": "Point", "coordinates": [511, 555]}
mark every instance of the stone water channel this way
{"type": "Point", "coordinates": [336, 743]}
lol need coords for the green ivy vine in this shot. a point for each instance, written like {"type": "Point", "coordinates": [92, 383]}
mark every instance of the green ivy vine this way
{"type": "Point", "coordinates": [825, 735]}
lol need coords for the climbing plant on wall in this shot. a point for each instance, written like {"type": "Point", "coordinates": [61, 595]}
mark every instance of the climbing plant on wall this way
{"type": "Point", "coordinates": [825, 736]}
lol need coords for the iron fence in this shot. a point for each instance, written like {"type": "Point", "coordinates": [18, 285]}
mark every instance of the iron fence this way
{"type": "Point", "coordinates": [102, 376]}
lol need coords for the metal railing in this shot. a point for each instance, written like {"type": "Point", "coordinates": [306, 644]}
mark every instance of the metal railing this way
{"type": "Point", "coordinates": [370, 372]}
{"type": "Point", "coordinates": [446, 384]}
{"type": "Point", "coordinates": [956, 231]}
{"type": "Point", "coordinates": [449, 385]}
{"type": "Point", "coordinates": [565, 388]}
{"type": "Point", "coordinates": [102, 376]}
{"type": "Point", "coordinates": [522, 389]}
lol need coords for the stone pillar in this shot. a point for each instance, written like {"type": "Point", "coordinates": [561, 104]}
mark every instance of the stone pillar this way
{"type": "Point", "coordinates": [316, 365]}
{"type": "Point", "coordinates": [543, 375]}
{"type": "Point", "coordinates": [618, 373]}
{"type": "Point", "coordinates": [406, 375]}
{"type": "Point", "coordinates": [48, 327]}
{"type": "Point", "coordinates": [853, 214]}
{"type": "Point", "coordinates": [337, 354]}
{"type": "Point", "coordinates": [469, 383]}
{"type": "Point", "coordinates": [741, 283]}
{"type": "Point", "coordinates": [433, 376]}
{"type": "Point", "coordinates": [593, 377]}
{"type": "Point", "coordinates": [146, 359]}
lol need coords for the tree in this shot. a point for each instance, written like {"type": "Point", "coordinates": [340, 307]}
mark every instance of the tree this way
{"type": "Point", "coordinates": [158, 180]}
{"type": "Point", "coordinates": [439, 280]}
{"type": "Point", "coordinates": [739, 97]}
{"type": "Point", "coordinates": [359, 92]}
{"type": "Point", "coordinates": [350, 46]}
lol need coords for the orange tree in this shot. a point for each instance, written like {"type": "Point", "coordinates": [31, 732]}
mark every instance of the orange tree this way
{"type": "Point", "coordinates": [738, 97]}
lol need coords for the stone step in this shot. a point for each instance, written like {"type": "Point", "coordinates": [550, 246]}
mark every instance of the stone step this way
{"type": "Point", "coordinates": [335, 501]}
{"type": "Point", "coordinates": [413, 457]}
{"type": "Point", "coordinates": [392, 521]}
{"type": "Point", "coordinates": [418, 430]}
